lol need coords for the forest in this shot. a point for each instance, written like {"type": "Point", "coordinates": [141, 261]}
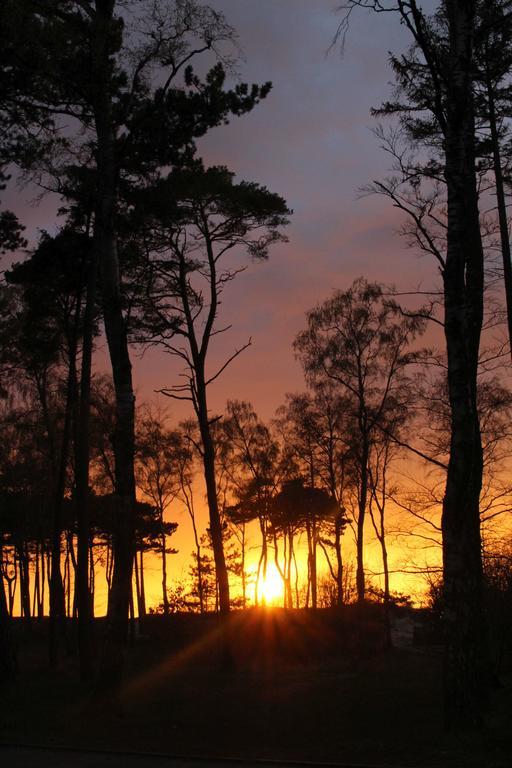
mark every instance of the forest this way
{"type": "Point", "coordinates": [162, 556]}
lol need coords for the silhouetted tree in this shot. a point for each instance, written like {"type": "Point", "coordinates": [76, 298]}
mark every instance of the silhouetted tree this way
{"type": "Point", "coordinates": [159, 459]}
{"type": "Point", "coordinates": [493, 63]}
{"type": "Point", "coordinates": [203, 591]}
{"type": "Point", "coordinates": [362, 343]}
{"type": "Point", "coordinates": [152, 533]}
{"type": "Point", "coordinates": [250, 458]}
{"type": "Point", "coordinates": [52, 291]}
{"type": "Point", "coordinates": [447, 63]}
{"type": "Point", "coordinates": [198, 217]}
{"type": "Point", "coordinates": [297, 505]}
{"type": "Point", "coordinates": [316, 431]}
{"type": "Point", "coordinates": [8, 659]}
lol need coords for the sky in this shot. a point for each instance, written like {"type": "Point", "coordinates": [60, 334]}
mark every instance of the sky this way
{"type": "Point", "coordinates": [311, 141]}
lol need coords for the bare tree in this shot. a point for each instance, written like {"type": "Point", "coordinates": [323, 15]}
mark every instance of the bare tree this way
{"type": "Point", "coordinates": [436, 104]}
{"type": "Point", "coordinates": [362, 343]}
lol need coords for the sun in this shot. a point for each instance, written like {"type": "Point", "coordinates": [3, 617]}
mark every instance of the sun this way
{"type": "Point", "coordinates": [270, 586]}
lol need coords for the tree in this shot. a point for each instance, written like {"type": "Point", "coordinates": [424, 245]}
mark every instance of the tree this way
{"type": "Point", "coordinates": [8, 658]}
{"type": "Point", "coordinates": [15, 126]}
{"type": "Point", "coordinates": [361, 342]}
{"type": "Point", "coordinates": [204, 591]}
{"type": "Point", "coordinates": [152, 533]}
{"type": "Point", "coordinates": [493, 60]}
{"type": "Point", "coordinates": [160, 453]}
{"type": "Point", "coordinates": [443, 116]}
{"type": "Point", "coordinates": [296, 506]}
{"type": "Point", "coordinates": [379, 491]}
{"type": "Point", "coordinates": [27, 509]}
{"type": "Point", "coordinates": [317, 445]}
{"type": "Point", "coordinates": [52, 285]}
{"type": "Point", "coordinates": [423, 498]}
{"type": "Point", "coordinates": [197, 218]}
{"type": "Point", "coordinates": [249, 456]}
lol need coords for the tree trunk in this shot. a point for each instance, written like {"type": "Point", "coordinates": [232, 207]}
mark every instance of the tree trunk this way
{"type": "Point", "coordinates": [308, 539]}
{"type": "Point", "coordinates": [463, 296]}
{"type": "Point", "coordinates": [24, 582]}
{"type": "Point", "coordinates": [71, 557]}
{"type": "Point", "coordinates": [8, 660]}
{"type": "Point", "coordinates": [67, 579]}
{"type": "Point", "coordinates": [314, 589]}
{"type": "Point", "coordinates": [297, 597]}
{"type": "Point", "coordinates": [142, 608]}
{"type": "Point", "coordinates": [105, 242]}
{"type": "Point", "coordinates": [242, 564]}
{"type": "Point", "coordinates": [57, 593]}
{"type": "Point", "coordinates": [12, 581]}
{"type": "Point", "coordinates": [262, 562]}
{"type": "Point", "coordinates": [363, 495]}
{"type": "Point", "coordinates": [37, 584]}
{"type": "Point", "coordinates": [200, 583]}
{"type": "Point", "coordinates": [165, 596]}
{"type": "Point", "coordinates": [502, 208]}
{"type": "Point", "coordinates": [190, 508]}
{"type": "Point", "coordinates": [211, 492]}
{"type": "Point", "coordinates": [110, 563]}
{"type": "Point", "coordinates": [82, 460]}
{"type": "Point", "coordinates": [338, 528]}
{"type": "Point", "coordinates": [338, 522]}
{"type": "Point", "coordinates": [92, 579]}
{"type": "Point", "coordinates": [281, 571]}
{"type": "Point", "coordinates": [291, 554]}
{"type": "Point", "coordinates": [131, 617]}
{"type": "Point", "coordinates": [387, 605]}
{"type": "Point", "coordinates": [137, 582]}
{"type": "Point", "coordinates": [40, 607]}
{"type": "Point", "coordinates": [198, 392]}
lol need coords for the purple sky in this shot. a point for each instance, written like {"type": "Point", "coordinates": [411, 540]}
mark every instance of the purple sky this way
{"type": "Point", "coordinates": [311, 142]}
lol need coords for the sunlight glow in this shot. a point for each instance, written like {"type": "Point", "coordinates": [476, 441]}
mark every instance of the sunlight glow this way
{"type": "Point", "coordinates": [271, 587]}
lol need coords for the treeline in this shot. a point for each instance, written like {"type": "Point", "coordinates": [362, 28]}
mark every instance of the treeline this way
{"type": "Point", "coordinates": [328, 460]}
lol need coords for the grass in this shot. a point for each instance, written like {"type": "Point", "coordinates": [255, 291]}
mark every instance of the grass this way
{"type": "Point", "coordinates": [300, 685]}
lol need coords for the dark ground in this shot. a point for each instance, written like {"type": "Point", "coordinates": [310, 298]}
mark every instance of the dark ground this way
{"type": "Point", "coordinates": [299, 686]}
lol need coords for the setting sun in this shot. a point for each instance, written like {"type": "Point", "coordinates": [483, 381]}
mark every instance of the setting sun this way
{"type": "Point", "coordinates": [270, 586]}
